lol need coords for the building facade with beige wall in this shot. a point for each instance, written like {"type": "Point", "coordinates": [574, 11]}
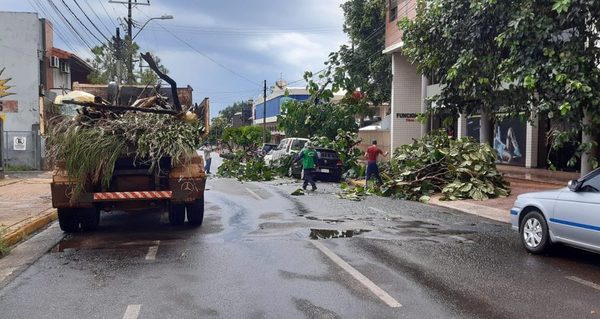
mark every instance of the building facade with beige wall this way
{"type": "Point", "coordinates": [407, 91]}
{"type": "Point", "coordinates": [524, 141]}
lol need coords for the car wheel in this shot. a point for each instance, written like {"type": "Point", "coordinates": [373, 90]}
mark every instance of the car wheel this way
{"type": "Point", "coordinates": [177, 214]}
{"type": "Point", "coordinates": [534, 233]}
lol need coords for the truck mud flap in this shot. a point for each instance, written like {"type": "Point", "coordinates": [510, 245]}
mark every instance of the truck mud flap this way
{"type": "Point", "coordinates": [187, 189]}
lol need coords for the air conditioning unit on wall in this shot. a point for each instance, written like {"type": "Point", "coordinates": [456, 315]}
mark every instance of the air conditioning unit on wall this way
{"type": "Point", "coordinates": [54, 62]}
{"type": "Point", "coordinates": [65, 67]}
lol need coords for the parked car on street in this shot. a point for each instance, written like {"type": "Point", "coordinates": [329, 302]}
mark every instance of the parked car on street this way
{"type": "Point", "coordinates": [329, 166]}
{"type": "Point", "coordinates": [287, 146]}
{"type": "Point", "coordinates": [266, 148]}
{"type": "Point", "coordinates": [570, 215]}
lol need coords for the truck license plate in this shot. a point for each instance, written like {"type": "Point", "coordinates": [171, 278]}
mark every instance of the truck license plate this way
{"type": "Point", "coordinates": [324, 170]}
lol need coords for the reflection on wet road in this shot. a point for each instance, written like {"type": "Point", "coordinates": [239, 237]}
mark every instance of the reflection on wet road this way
{"type": "Point", "coordinates": [254, 257]}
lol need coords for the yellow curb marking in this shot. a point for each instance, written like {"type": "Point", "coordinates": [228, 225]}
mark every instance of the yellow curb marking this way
{"type": "Point", "coordinates": [34, 225]}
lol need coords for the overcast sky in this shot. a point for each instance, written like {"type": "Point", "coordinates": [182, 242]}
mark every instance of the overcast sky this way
{"type": "Point", "coordinates": [232, 45]}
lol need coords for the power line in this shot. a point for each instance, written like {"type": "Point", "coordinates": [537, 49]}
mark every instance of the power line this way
{"type": "Point", "coordinates": [36, 6]}
{"type": "Point", "coordinates": [108, 15]}
{"type": "Point", "coordinates": [80, 22]}
{"type": "Point", "coordinates": [73, 29]}
{"type": "Point", "coordinates": [302, 79]}
{"type": "Point", "coordinates": [207, 56]}
{"type": "Point", "coordinates": [244, 32]}
{"type": "Point", "coordinates": [97, 17]}
{"type": "Point", "coordinates": [90, 20]}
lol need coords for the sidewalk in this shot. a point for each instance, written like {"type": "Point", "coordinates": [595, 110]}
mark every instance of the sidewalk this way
{"type": "Point", "coordinates": [25, 205]}
{"type": "Point", "coordinates": [496, 208]}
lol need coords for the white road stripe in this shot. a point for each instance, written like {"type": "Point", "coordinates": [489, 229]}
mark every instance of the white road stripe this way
{"type": "Point", "coordinates": [584, 282]}
{"type": "Point", "coordinates": [152, 250]}
{"type": "Point", "coordinates": [132, 312]}
{"type": "Point", "coordinates": [253, 193]}
{"type": "Point", "coordinates": [380, 293]}
{"type": "Point", "coordinates": [377, 210]}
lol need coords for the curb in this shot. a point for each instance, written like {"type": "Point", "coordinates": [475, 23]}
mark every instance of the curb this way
{"type": "Point", "coordinates": [496, 214]}
{"type": "Point", "coordinates": [28, 227]}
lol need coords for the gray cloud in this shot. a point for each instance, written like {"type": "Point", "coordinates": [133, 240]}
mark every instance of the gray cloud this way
{"type": "Point", "coordinates": [258, 39]}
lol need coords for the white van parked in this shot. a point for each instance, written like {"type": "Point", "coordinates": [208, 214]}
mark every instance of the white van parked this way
{"type": "Point", "coordinates": [287, 146]}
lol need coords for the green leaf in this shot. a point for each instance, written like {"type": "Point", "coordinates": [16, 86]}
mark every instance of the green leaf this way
{"type": "Point", "coordinates": [424, 199]}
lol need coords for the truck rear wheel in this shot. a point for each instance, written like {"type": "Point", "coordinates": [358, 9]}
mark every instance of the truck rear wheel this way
{"type": "Point", "coordinates": [177, 214]}
{"type": "Point", "coordinates": [68, 219]}
{"type": "Point", "coordinates": [90, 219]}
{"type": "Point", "coordinates": [195, 212]}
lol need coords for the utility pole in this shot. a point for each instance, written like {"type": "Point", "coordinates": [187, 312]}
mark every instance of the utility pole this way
{"type": "Point", "coordinates": [265, 112]}
{"type": "Point", "coordinates": [118, 53]}
{"type": "Point", "coordinates": [129, 39]}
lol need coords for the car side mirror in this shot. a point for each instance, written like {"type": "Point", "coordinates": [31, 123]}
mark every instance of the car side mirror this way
{"type": "Point", "coordinates": [573, 185]}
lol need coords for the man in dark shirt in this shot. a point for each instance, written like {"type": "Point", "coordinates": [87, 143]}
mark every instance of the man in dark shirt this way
{"type": "Point", "coordinates": [372, 169]}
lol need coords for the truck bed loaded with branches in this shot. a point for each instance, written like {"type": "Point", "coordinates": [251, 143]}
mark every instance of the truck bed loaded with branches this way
{"type": "Point", "coordinates": [132, 157]}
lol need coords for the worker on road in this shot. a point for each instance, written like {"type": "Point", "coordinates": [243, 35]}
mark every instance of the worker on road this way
{"type": "Point", "coordinates": [308, 155]}
{"type": "Point", "coordinates": [372, 169]}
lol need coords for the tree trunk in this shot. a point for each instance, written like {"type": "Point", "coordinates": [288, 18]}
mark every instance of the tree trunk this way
{"type": "Point", "coordinates": [485, 131]}
{"type": "Point", "coordinates": [426, 124]}
{"type": "Point", "coordinates": [586, 137]}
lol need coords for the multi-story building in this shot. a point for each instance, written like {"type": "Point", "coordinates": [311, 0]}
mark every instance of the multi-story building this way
{"type": "Point", "coordinates": [279, 94]}
{"type": "Point", "coordinates": [37, 71]}
{"type": "Point", "coordinates": [517, 142]}
{"type": "Point", "coordinates": [407, 88]}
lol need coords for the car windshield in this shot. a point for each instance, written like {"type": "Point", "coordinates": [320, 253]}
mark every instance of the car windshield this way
{"type": "Point", "coordinates": [298, 145]}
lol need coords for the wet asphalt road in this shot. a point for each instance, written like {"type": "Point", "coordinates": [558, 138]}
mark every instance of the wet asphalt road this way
{"type": "Point", "coordinates": [253, 258]}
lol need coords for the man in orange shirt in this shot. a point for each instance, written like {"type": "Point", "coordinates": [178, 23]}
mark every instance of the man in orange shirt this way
{"type": "Point", "coordinates": [372, 169]}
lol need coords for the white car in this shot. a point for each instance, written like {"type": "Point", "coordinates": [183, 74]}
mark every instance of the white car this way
{"type": "Point", "coordinates": [287, 146]}
{"type": "Point", "coordinates": [569, 215]}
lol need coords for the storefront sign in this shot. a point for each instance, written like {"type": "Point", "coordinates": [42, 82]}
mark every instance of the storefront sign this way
{"type": "Point", "coordinates": [406, 115]}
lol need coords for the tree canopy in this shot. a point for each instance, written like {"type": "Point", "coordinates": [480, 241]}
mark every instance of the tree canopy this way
{"type": "Point", "coordinates": [106, 65]}
{"type": "Point", "coordinates": [224, 119]}
{"type": "Point", "coordinates": [528, 57]}
{"type": "Point", "coordinates": [365, 65]}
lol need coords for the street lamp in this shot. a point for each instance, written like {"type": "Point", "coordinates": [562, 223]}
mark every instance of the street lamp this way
{"type": "Point", "coordinates": [163, 17]}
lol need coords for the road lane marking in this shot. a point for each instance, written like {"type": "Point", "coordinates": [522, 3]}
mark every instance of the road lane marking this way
{"type": "Point", "coordinates": [253, 193]}
{"type": "Point", "coordinates": [152, 250]}
{"type": "Point", "coordinates": [132, 312]}
{"type": "Point", "coordinates": [380, 293]}
{"type": "Point", "coordinates": [377, 210]}
{"type": "Point", "coordinates": [584, 282]}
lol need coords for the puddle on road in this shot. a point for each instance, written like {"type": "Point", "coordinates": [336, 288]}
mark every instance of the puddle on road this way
{"type": "Point", "coordinates": [316, 233]}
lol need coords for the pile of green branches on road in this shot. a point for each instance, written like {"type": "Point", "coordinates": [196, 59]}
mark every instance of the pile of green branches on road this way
{"type": "Point", "coordinates": [355, 193]}
{"type": "Point", "coordinates": [89, 147]}
{"type": "Point", "coordinates": [252, 167]}
{"type": "Point", "coordinates": [459, 169]}
{"type": "Point", "coordinates": [245, 167]}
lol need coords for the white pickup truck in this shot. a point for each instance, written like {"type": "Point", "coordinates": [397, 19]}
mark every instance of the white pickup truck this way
{"type": "Point", "coordinates": [287, 146]}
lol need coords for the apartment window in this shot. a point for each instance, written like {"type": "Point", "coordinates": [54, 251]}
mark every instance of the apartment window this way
{"type": "Point", "coordinates": [393, 7]}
